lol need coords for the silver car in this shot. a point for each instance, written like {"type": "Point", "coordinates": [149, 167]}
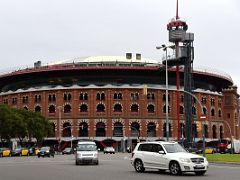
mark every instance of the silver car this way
{"type": "Point", "coordinates": [86, 153]}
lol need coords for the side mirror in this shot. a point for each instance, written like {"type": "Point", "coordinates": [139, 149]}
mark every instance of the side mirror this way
{"type": "Point", "coordinates": [161, 152]}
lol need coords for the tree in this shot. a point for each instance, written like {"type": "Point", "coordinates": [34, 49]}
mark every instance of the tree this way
{"type": "Point", "coordinates": [21, 123]}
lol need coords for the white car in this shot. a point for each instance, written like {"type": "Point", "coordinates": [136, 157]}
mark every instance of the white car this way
{"type": "Point", "coordinates": [109, 149]}
{"type": "Point", "coordinates": [87, 153]}
{"type": "Point", "coordinates": [167, 156]}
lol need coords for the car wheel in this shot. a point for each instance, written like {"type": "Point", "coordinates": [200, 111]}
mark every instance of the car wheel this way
{"type": "Point", "coordinates": [174, 168]}
{"type": "Point", "coordinates": [1, 155]}
{"type": "Point", "coordinates": [97, 163]}
{"type": "Point", "coordinates": [200, 173]}
{"type": "Point", "coordinates": [77, 163]}
{"type": "Point", "coordinates": [138, 165]}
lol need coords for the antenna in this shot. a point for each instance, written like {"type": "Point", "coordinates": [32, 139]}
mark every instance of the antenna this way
{"type": "Point", "coordinates": [177, 17]}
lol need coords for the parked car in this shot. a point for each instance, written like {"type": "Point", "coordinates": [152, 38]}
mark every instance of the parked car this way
{"type": "Point", "coordinates": [45, 151]}
{"type": "Point", "coordinates": [109, 149]}
{"type": "Point", "coordinates": [20, 151]}
{"type": "Point", "coordinates": [33, 151]}
{"type": "Point", "coordinates": [4, 152]}
{"type": "Point", "coordinates": [67, 150]}
{"type": "Point", "coordinates": [167, 156]}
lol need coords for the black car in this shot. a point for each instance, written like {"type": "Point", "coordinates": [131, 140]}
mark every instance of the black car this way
{"type": "Point", "coordinates": [46, 151]}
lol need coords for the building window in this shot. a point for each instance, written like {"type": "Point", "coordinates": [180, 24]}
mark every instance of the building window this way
{"type": "Point", "coordinates": [100, 108]}
{"type": "Point", "coordinates": [117, 108]}
{"type": "Point", "coordinates": [204, 100]}
{"type": "Point", "coordinates": [229, 115]}
{"type": "Point", "coordinates": [67, 96]}
{"type": "Point", "coordinates": [37, 109]}
{"type": "Point", "coordinates": [164, 97]}
{"type": "Point", "coordinates": [164, 109]}
{"type": "Point", "coordinates": [117, 96]}
{"type": "Point", "coordinates": [67, 108]}
{"type": "Point", "coordinates": [25, 99]}
{"type": "Point", "coordinates": [219, 113]}
{"type": "Point", "coordinates": [100, 96]}
{"type": "Point", "coordinates": [150, 96]}
{"type": "Point", "coordinates": [150, 108]}
{"type": "Point", "coordinates": [204, 111]}
{"type": "Point", "coordinates": [52, 109]}
{"type": "Point", "coordinates": [5, 101]}
{"type": "Point", "coordinates": [181, 110]}
{"type": "Point", "coordinates": [212, 112]}
{"type": "Point", "coordinates": [134, 108]}
{"type": "Point", "coordinates": [14, 101]}
{"type": "Point", "coordinates": [182, 98]}
{"type": "Point", "coordinates": [212, 101]}
{"type": "Point", "coordinates": [214, 131]}
{"type": "Point", "coordinates": [83, 108]}
{"type": "Point", "coordinates": [51, 97]}
{"type": "Point", "coordinates": [37, 98]}
{"type": "Point", "coordinates": [134, 96]}
{"type": "Point", "coordinates": [83, 96]}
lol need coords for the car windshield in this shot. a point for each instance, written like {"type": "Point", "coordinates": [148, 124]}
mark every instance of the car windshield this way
{"type": "Point", "coordinates": [86, 147]}
{"type": "Point", "coordinates": [174, 148]}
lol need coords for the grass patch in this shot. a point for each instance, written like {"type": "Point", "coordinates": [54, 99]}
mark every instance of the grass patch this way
{"type": "Point", "coordinates": [226, 158]}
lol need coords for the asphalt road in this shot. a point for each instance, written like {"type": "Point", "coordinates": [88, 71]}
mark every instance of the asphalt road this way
{"type": "Point", "coordinates": [111, 167]}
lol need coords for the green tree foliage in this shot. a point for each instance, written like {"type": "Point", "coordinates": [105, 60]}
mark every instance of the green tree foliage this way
{"type": "Point", "coordinates": [20, 123]}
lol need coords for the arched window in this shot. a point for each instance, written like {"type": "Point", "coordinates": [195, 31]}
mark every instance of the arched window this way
{"type": "Point", "coordinates": [194, 130]}
{"type": "Point", "coordinates": [83, 129]}
{"type": "Point", "coordinates": [52, 109]}
{"type": "Point", "coordinates": [67, 108]}
{"type": "Point", "coordinates": [165, 130]}
{"type": "Point", "coordinates": [37, 109]}
{"type": "Point", "coordinates": [219, 113]}
{"type": "Point", "coordinates": [214, 131]}
{"type": "Point", "coordinates": [204, 111]}
{"type": "Point", "coordinates": [115, 96]}
{"type": "Point", "coordinates": [212, 112]}
{"type": "Point", "coordinates": [98, 96]}
{"type": "Point", "coordinates": [135, 129]}
{"type": "Point", "coordinates": [150, 108]}
{"type": "Point", "coordinates": [100, 108]}
{"type": "Point", "coordinates": [117, 108]}
{"type": "Point", "coordinates": [83, 108]}
{"type": "Point", "coordinates": [151, 129]}
{"type": "Point", "coordinates": [100, 129]}
{"type": "Point", "coordinates": [206, 130]}
{"type": "Point", "coordinates": [181, 110]}
{"type": "Point", "coordinates": [221, 132]}
{"type": "Point", "coordinates": [66, 130]}
{"type": "Point", "coordinates": [134, 108]}
{"type": "Point", "coordinates": [118, 129]}
{"type": "Point", "coordinates": [164, 109]}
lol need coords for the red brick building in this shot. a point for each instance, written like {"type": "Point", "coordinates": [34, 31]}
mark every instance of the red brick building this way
{"type": "Point", "coordinates": [120, 97]}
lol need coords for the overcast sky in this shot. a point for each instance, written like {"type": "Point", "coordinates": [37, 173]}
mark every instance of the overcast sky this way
{"type": "Point", "coordinates": [52, 30]}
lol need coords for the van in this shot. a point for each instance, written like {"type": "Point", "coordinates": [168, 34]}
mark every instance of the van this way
{"type": "Point", "coordinates": [86, 153]}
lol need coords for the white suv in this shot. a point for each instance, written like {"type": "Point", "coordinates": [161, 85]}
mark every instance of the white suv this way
{"type": "Point", "coordinates": [170, 156]}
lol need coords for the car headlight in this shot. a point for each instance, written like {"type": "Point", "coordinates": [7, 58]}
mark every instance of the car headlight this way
{"type": "Point", "coordinates": [185, 160]}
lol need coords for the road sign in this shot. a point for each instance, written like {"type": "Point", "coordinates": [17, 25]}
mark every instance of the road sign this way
{"type": "Point", "coordinates": [203, 117]}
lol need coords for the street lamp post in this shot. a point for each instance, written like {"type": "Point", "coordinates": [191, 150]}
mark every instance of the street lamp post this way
{"type": "Point", "coordinates": [59, 126]}
{"type": "Point", "coordinates": [165, 48]}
